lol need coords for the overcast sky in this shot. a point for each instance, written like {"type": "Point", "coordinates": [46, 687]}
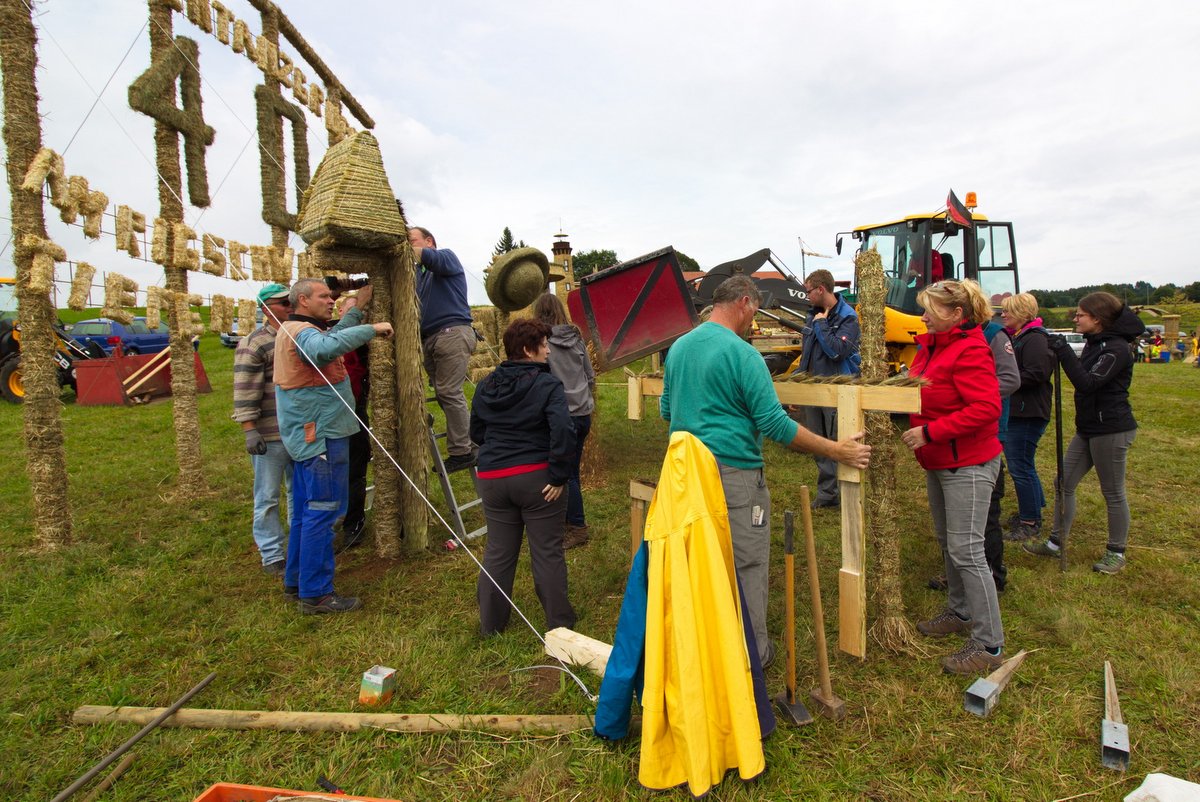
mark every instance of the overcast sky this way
{"type": "Point", "coordinates": [716, 128]}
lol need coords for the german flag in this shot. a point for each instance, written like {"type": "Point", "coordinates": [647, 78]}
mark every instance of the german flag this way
{"type": "Point", "coordinates": [957, 212]}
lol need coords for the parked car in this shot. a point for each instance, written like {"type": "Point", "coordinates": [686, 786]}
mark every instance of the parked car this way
{"type": "Point", "coordinates": [231, 338]}
{"type": "Point", "coordinates": [1074, 339]}
{"type": "Point", "coordinates": [135, 338]}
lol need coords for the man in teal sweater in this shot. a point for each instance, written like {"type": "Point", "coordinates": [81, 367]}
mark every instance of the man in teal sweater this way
{"type": "Point", "coordinates": [718, 388]}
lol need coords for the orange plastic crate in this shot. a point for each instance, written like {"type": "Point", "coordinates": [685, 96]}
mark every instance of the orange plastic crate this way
{"type": "Point", "coordinates": [232, 792]}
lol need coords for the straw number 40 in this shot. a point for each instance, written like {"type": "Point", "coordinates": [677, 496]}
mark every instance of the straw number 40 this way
{"type": "Point", "coordinates": [153, 94]}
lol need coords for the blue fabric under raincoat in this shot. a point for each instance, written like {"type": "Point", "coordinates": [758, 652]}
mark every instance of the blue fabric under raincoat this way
{"type": "Point", "coordinates": [681, 637]}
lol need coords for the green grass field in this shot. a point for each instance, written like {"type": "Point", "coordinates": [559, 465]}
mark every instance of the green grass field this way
{"type": "Point", "coordinates": [156, 593]}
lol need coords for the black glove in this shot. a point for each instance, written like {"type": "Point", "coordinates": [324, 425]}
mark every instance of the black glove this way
{"type": "Point", "coordinates": [255, 444]}
{"type": "Point", "coordinates": [1057, 343]}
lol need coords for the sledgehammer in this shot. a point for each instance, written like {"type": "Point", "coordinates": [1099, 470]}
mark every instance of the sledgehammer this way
{"type": "Point", "coordinates": [788, 704]}
{"type": "Point", "coordinates": [827, 703]}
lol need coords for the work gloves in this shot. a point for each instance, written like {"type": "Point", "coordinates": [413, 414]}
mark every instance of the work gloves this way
{"type": "Point", "coordinates": [255, 444]}
{"type": "Point", "coordinates": [1057, 343]}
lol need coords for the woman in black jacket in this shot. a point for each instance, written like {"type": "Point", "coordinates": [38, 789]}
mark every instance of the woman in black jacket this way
{"type": "Point", "coordinates": [1104, 424]}
{"type": "Point", "coordinates": [526, 441]}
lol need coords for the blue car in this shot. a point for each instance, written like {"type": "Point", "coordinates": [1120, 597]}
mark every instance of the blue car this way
{"type": "Point", "coordinates": [135, 338]}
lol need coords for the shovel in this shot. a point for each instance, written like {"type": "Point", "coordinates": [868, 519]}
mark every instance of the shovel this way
{"type": "Point", "coordinates": [827, 703]}
{"type": "Point", "coordinates": [788, 704]}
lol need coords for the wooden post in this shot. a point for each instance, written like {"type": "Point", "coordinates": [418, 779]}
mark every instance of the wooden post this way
{"type": "Point", "coordinates": [641, 493]}
{"type": "Point", "coordinates": [852, 401]}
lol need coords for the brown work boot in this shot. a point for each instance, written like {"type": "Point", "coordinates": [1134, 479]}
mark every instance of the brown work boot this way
{"type": "Point", "coordinates": [943, 624]}
{"type": "Point", "coordinates": [575, 536]}
{"type": "Point", "coordinates": [972, 658]}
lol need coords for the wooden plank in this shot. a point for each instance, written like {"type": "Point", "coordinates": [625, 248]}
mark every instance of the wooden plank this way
{"type": "Point", "coordinates": [148, 363]}
{"type": "Point", "coordinates": [635, 403]}
{"type": "Point", "coordinates": [852, 634]}
{"type": "Point", "coordinates": [1112, 704]}
{"type": "Point", "coordinates": [299, 721]}
{"type": "Point", "coordinates": [851, 421]}
{"type": "Point", "coordinates": [852, 584]}
{"type": "Point", "coordinates": [130, 388]}
{"type": "Point", "coordinates": [876, 398]}
{"type": "Point", "coordinates": [640, 495]}
{"type": "Point", "coordinates": [576, 649]}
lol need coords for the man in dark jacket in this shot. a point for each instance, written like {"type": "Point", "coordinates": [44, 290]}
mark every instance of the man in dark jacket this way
{"type": "Point", "coordinates": [831, 343]}
{"type": "Point", "coordinates": [447, 339]}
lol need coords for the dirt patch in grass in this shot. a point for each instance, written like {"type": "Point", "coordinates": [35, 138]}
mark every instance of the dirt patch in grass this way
{"type": "Point", "coordinates": [364, 567]}
{"type": "Point", "coordinates": [535, 684]}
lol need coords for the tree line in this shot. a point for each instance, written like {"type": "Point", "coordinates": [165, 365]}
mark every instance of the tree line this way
{"type": "Point", "coordinates": [1138, 293]}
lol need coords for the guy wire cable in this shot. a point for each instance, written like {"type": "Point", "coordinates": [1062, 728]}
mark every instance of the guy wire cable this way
{"type": "Point", "coordinates": [462, 545]}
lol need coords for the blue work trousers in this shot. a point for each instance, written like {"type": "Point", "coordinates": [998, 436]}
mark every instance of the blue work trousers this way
{"type": "Point", "coordinates": [320, 489]}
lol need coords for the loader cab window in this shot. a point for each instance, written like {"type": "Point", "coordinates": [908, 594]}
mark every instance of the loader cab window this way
{"type": "Point", "coordinates": [997, 261]}
{"type": "Point", "coordinates": [902, 250]}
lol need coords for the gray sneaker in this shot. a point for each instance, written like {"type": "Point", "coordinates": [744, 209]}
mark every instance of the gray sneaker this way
{"type": "Point", "coordinates": [1042, 548]}
{"type": "Point", "coordinates": [943, 624]}
{"type": "Point", "coordinates": [329, 603]}
{"type": "Point", "coordinates": [972, 659]}
{"type": "Point", "coordinates": [1110, 563]}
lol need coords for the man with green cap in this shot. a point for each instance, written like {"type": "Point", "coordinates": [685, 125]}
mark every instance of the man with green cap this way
{"type": "Point", "coordinates": [254, 409]}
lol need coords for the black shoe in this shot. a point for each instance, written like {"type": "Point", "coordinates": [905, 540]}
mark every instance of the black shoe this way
{"type": "Point", "coordinates": [291, 592]}
{"type": "Point", "coordinates": [275, 569]}
{"type": "Point", "coordinates": [828, 502]}
{"type": "Point", "coordinates": [329, 603]}
{"type": "Point", "coordinates": [937, 583]}
{"type": "Point", "coordinates": [457, 462]}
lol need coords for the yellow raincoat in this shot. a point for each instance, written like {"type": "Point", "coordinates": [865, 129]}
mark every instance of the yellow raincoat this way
{"type": "Point", "coordinates": [698, 706]}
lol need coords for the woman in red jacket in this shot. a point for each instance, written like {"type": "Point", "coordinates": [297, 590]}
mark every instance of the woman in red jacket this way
{"type": "Point", "coordinates": [955, 441]}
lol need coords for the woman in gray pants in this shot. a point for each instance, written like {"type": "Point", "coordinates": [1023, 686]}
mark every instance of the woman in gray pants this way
{"type": "Point", "coordinates": [1104, 424]}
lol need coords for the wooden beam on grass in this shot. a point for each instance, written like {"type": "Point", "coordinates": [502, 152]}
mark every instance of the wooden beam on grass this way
{"type": "Point", "coordinates": [298, 721]}
{"type": "Point", "coordinates": [576, 649]}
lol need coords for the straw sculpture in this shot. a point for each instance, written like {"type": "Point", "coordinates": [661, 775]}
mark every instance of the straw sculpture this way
{"type": "Point", "coordinates": [235, 251]}
{"type": "Point", "coordinates": [516, 278]}
{"type": "Point", "coordinates": [41, 271]}
{"type": "Point", "coordinates": [389, 483]}
{"type": "Point", "coordinates": [81, 286]}
{"type": "Point", "coordinates": [154, 305]}
{"type": "Point", "coordinates": [44, 456]}
{"type": "Point", "coordinates": [154, 92]}
{"type": "Point", "coordinates": [220, 316]}
{"type": "Point", "coordinates": [891, 628]}
{"type": "Point", "coordinates": [271, 109]}
{"type": "Point", "coordinates": [591, 466]}
{"type": "Point", "coordinates": [129, 225]}
{"type": "Point", "coordinates": [160, 241]}
{"type": "Point", "coordinates": [349, 199]}
{"type": "Point", "coordinates": [182, 254]}
{"type": "Point", "coordinates": [214, 255]}
{"type": "Point", "coordinates": [412, 429]}
{"type": "Point", "coordinates": [119, 292]}
{"type": "Point", "coordinates": [247, 310]}
{"type": "Point", "coordinates": [47, 166]}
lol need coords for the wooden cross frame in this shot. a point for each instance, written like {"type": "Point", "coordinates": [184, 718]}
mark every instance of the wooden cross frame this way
{"type": "Point", "coordinates": [852, 402]}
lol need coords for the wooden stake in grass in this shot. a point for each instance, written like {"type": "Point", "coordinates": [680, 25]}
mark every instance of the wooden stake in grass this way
{"type": "Point", "coordinates": [45, 458]}
{"type": "Point", "coordinates": [891, 628]}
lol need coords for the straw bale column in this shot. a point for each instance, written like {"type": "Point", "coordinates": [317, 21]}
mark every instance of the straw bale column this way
{"type": "Point", "coordinates": [45, 459]}
{"type": "Point", "coordinates": [891, 628]}
{"type": "Point", "coordinates": [412, 432]}
{"type": "Point", "coordinates": [170, 191]}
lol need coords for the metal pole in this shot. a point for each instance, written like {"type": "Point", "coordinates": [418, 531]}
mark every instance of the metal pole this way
{"type": "Point", "coordinates": [142, 733]}
{"type": "Point", "coordinates": [1058, 479]}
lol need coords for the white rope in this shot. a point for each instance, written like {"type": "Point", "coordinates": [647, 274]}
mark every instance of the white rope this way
{"type": "Point", "coordinates": [462, 546]}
